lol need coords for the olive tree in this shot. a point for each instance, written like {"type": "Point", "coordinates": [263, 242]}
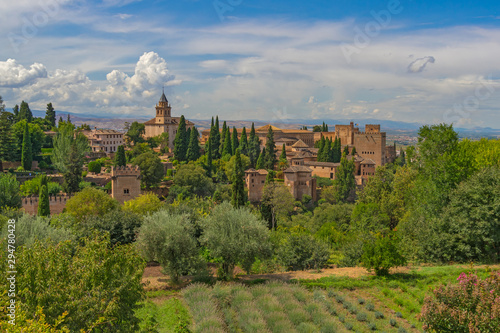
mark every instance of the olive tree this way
{"type": "Point", "coordinates": [235, 236]}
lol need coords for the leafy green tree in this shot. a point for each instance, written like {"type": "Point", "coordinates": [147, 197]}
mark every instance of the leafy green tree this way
{"type": "Point", "coordinates": [2, 106]}
{"type": "Point", "coordinates": [74, 166]}
{"type": "Point", "coordinates": [120, 158]}
{"type": "Point", "coordinates": [145, 204]}
{"type": "Point", "coordinates": [26, 156]}
{"type": "Point", "coordinates": [278, 202]}
{"type": "Point", "coordinates": [382, 254]}
{"type": "Point", "coordinates": [316, 128]}
{"type": "Point", "coordinates": [238, 187]}
{"type": "Point", "coordinates": [69, 150]}
{"type": "Point", "coordinates": [152, 170]}
{"type": "Point", "coordinates": [236, 237]}
{"type": "Point", "coordinates": [7, 143]}
{"type": "Point", "coordinates": [95, 167]}
{"type": "Point", "coordinates": [234, 141]}
{"type": "Point", "coordinates": [37, 137]}
{"type": "Point", "coordinates": [50, 115]}
{"type": "Point", "coordinates": [135, 132]}
{"type": "Point", "coordinates": [138, 149]}
{"type": "Point", "coordinates": [95, 284]}
{"type": "Point", "coordinates": [230, 165]}
{"type": "Point", "coordinates": [244, 142]}
{"type": "Point", "coordinates": [193, 152]}
{"type": "Point", "coordinates": [192, 178]}
{"type": "Point", "coordinates": [169, 239]}
{"type": "Point", "coordinates": [43, 198]}
{"type": "Point", "coordinates": [15, 111]}
{"type": "Point", "coordinates": [180, 148]}
{"type": "Point", "coordinates": [270, 157]}
{"type": "Point", "coordinates": [253, 147]}
{"type": "Point", "coordinates": [90, 201]}
{"type": "Point", "coordinates": [9, 192]}
{"type": "Point", "coordinates": [344, 181]}
{"type": "Point", "coordinates": [25, 112]}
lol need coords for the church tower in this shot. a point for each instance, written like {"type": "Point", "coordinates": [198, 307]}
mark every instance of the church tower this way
{"type": "Point", "coordinates": [163, 110]}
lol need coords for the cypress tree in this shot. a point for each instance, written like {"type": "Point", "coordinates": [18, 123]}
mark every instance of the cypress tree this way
{"type": "Point", "coordinates": [325, 157]}
{"type": "Point", "coordinates": [270, 157]}
{"type": "Point", "coordinates": [234, 141]}
{"type": "Point", "coordinates": [253, 147]}
{"type": "Point", "coordinates": [337, 151]}
{"type": "Point", "coordinates": [209, 157]}
{"type": "Point", "coordinates": [345, 181]}
{"type": "Point", "coordinates": [180, 148]}
{"type": "Point", "coordinates": [321, 149]}
{"type": "Point", "coordinates": [283, 153]}
{"type": "Point", "coordinates": [26, 155]}
{"type": "Point", "coordinates": [326, 127]}
{"type": "Point", "coordinates": [7, 146]}
{"type": "Point", "coordinates": [346, 151]}
{"type": "Point", "coordinates": [353, 151]}
{"type": "Point", "coordinates": [25, 112]}
{"type": "Point", "coordinates": [238, 187]}
{"type": "Point", "coordinates": [43, 198]}
{"type": "Point", "coordinates": [227, 143]}
{"type": "Point", "coordinates": [223, 139]}
{"type": "Point", "coordinates": [50, 115]}
{"type": "Point", "coordinates": [68, 119]}
{"type": "Point", "coordinates": [216, 141]}
{"type": "Point", "coordinates": [260, 160]}
{"type": "Point", "coordinates": [187, 138]}
{"type": "Point", "coordinates": [193, 152]}
{"type": "Point", "coordinates": [244, 142]}
{"type": "Point", "coordinates": [60, 122]}
{"type": "Point", "coordinates": [270, 177]}
{"type": "Point", "coordinates": [15, 109]}
{"type": "Point", "coordinates": [73, 175]}
{"type": "Point", "coordinates": [120, 158]}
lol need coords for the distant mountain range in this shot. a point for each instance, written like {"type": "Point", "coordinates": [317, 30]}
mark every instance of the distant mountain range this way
{"type": "Point", "coordinates": [390, 126]}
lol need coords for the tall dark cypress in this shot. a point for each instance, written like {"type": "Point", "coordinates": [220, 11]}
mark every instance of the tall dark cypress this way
{"type": "Point", "coordinates": [244, 142]}
{"type": "Point", "coordinates": [7, 146]}
{"type": "Point", "coordinates": [120, 158]}
{"type": "Point", "coordinates": [260, 161]}
{"type": "Point", "coordinates": [193, 152]}
{"type": "Point", "coordinates": [26, 154]}
{"type": "Point", "coordinates": [238, 186]}
{"type": "Point", "coordinates": [270, 157]}
{"type": "Point", "coordinates": [227, 143]}
{"type": "Point", "coordinates": [234, 141]}
{"type": "Point", "coordinates": [209, 157]}
{"type": "Point", "coordinates": [50, 115]}
{"type": "Point", "coordinates": [25, 112]}
{"type": "Point", "coordinates": [253, 147]}
{"type": "Point", "coordinates": [321, 149]}
{"type": "Point", "coordinates": [43, 198]}
{"type": "Point", "coordinates": [180, 148]}
{"type": "Point", "coordinates": [216, 141]}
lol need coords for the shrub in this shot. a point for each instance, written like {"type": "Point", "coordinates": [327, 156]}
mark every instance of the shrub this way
{"type": "Point", "coordinates": [95, 167]}
{"type": "Point", "coordinates": [342, 319]}
{"type": "Point", "coordinates": [361, 317]}
{"type": "Point", "coordinates": [379, 315]}
{"type": "Point", "coordinates": [370, 307]}
{"type": "Point", "coordinates": [144, 204]}
{"type": "Point", "coordinates": [361, 301]}
{"type": "Point", "coordinates": [299, 251]}
{"type": "Point", "coordinates": [399, 315]}
{"type": "Point", "coordinates": [348, 326]}
{"type": "Point", "coordinates": [90, 201]}
{"type": "Point", "coordinates": [393, 322]}
{"type": "Point", "coordinates": [471, 305]}
{"type": "Point", "coordinates": [402, 330]}
{"type": "Point", "coordinates": [382, 254]}
{"type": "Point", "coordinates": [372, 326]}
{"type": "Point", "coordinates": [9, 192]}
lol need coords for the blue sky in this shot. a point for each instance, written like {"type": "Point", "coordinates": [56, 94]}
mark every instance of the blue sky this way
{"type": "Point", "coordinates": [416, 61]}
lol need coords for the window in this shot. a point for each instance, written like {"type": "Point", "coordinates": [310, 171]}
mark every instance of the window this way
{"type": "Point", "coordinates": [126, 191]}
{"type": "Point", "coordinates": [331, 175]}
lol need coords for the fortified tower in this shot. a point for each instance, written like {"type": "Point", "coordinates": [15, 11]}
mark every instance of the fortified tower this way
{"type": "Point", "coordinates": [125, 183]}
{"type": "Point", "coordinates": [163, 110]}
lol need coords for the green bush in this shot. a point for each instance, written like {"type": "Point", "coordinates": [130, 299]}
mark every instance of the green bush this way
{"type": "Point", "coordinates": [370, 307]}
{"type": "Point", "coordinates": [361, 317]}
{"type": "Point", "coordinates": [393, 322]}
{"type": "Point", "coordinates": [95, 167]}
{"type": "Point", "coordinates": [379, 315]}
{"type": "Point", "coordinates": [382, 254]}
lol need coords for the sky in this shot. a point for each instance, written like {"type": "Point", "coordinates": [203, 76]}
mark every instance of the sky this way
{"type": "Point", "coordinates": [415, 61]}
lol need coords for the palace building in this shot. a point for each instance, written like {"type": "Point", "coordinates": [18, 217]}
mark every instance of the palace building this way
{"type": "Point", "coordinates": [164, 122]}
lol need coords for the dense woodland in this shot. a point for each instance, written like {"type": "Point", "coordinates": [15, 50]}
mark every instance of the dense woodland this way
{"type": "Point", "coordinates": [438, 203]}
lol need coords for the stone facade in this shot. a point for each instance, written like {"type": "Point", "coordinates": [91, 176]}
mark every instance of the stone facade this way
{"type": "Point", "coordinates": [164, 122]}
{"type": "Point", "coordinates": [299, 180]}
{"type": "Point", "coordinates": [104, 141]}
{"type": "Point", "coordinates": [125, 183]}
{"type": "Point", "coordinates": [57, 204]}
{"type": "Point", "coordinates": [255, 181]}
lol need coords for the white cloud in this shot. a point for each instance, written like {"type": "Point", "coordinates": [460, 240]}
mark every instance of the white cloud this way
{"type": "Point", "coordinates": [14, 75]}
{"type": "Point", "coordinates": [419, 64]}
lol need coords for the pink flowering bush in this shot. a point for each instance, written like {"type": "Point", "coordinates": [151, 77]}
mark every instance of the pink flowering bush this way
{"type": "Point", "coordinates": [470, 305]}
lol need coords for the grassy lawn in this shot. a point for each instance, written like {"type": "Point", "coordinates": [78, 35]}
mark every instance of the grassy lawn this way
{"type": "Point", "coordinates": [329, 304]}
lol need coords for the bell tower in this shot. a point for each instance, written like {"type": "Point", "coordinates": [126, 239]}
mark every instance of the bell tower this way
{"type": "Point", "coordinates": [163, 109]}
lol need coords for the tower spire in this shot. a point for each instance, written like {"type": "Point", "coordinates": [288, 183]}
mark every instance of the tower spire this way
{"type": "Point", "coordinates": [163, 98]}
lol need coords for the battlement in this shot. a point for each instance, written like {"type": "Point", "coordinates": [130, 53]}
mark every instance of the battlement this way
{"type": "Point", "coordinates": [56, 203]}
{"type": "Point", "coordinates": [369, 133]}
{"type": "Point", "coordinates": [125, 171]}
{"type": "Point", "coordinates": [372, 128]}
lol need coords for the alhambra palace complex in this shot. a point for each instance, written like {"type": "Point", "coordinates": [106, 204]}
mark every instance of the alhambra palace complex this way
{"type": "Point", "coordinates": [370, 144]}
